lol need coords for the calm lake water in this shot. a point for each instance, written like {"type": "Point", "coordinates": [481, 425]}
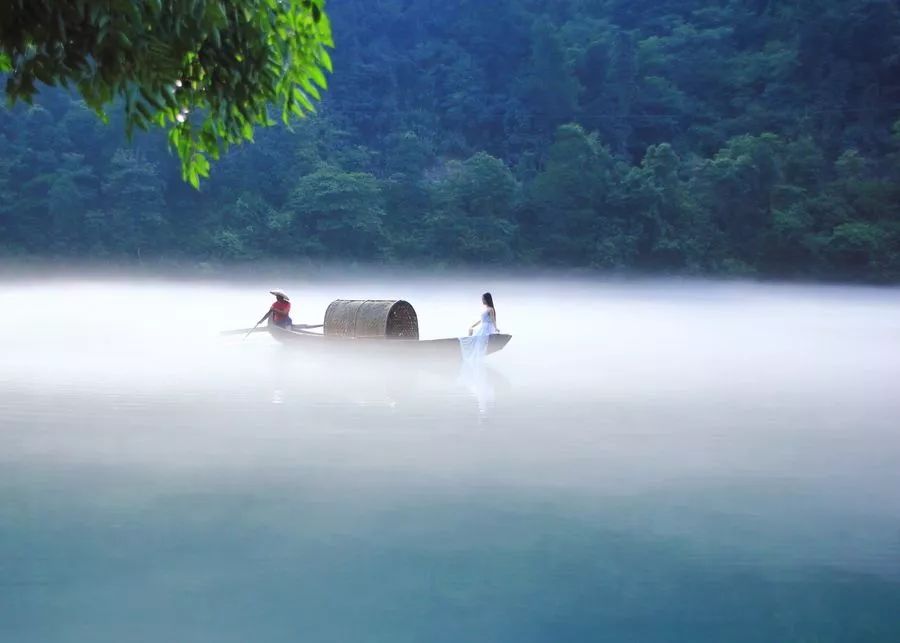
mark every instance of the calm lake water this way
{"type": "Point", "coordinates": [645, 462]}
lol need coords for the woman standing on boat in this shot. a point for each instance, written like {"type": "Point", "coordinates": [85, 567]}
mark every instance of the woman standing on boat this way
{"type": "Point", "coordinates": [474, 347]}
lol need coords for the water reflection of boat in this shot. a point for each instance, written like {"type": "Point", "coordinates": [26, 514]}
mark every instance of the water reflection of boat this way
{"type": "Point", "coordinates": [407, 389]}
{"type": "Point", "coordinates": [456, 392]}
{"type": "Point", "coordinates": [376, 326]}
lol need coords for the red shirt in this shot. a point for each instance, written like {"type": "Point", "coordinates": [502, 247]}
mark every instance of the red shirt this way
{"type": "Point", "coordinates": [280, 310]}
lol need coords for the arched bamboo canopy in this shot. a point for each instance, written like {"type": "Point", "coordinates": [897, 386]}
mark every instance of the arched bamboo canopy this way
{"type": "Point", "coordinates": [371, 318]}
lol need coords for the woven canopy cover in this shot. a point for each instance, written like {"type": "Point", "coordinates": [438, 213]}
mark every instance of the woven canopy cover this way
{"type": "Point", "coordinates": [371, 318]}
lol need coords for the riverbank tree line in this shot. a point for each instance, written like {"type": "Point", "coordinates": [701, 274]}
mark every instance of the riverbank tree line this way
{"type": "Point", "coordinates": [677, 136]}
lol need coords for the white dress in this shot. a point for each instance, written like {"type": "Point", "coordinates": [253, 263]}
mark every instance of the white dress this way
{"type": "Point", "coordinates": [474, 347]}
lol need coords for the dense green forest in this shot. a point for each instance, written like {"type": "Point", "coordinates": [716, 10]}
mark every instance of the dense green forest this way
{"type": "Point", "coordinates": [672, 136]}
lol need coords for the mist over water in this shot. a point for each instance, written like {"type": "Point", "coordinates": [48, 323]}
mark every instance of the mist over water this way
{"type": "Point", "coordinates": [645, 461]}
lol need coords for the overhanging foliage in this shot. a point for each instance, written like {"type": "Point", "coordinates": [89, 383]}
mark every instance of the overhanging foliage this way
{"type": "Point", "coordinates": [207, 71]}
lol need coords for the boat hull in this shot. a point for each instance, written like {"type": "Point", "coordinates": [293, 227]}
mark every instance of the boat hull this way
{"type": "Point", "coordinates": [446, 347]}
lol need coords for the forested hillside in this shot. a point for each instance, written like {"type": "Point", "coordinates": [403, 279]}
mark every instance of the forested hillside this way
{"type": "Point", "coordinates": [670, 136]}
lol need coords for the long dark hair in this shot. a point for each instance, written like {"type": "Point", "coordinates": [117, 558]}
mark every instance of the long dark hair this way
{"type": "Point", "coordinates": [488, 300]}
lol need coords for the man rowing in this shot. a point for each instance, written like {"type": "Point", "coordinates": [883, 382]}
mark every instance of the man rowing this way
{"type": "Point", "coordinates": [279, 311]}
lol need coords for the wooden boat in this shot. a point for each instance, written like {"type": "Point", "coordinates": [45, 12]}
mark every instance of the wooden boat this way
{"type": "Point", "coordinates": [445, 347]}
{"type": "Point", "coordinates": [371, 326]}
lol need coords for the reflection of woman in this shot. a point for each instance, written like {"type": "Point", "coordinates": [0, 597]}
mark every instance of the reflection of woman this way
{"type": "Point", "coordinates": [477, 379]}
{"type": "Point", "coordinates": [474, 347]}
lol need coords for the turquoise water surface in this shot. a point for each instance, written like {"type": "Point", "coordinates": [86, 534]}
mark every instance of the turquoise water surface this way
{"type": "Point", "coordinates": [646, 462]}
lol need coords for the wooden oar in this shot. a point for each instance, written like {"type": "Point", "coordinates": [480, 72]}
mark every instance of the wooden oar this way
{"type": "Point", "coordinates": [261, 320]}
{"type": "Point", "coordinates": [299, 329]}
{"type": "Point", "coordinates": [256, 329]}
